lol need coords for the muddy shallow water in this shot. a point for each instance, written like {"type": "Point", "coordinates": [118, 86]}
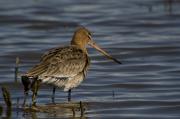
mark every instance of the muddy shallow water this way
{"type": "Point", "coordinates": [143, 34]}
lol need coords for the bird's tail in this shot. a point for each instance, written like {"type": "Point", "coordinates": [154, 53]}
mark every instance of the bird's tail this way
{"type": "Point", "coordinates": [26, 83]}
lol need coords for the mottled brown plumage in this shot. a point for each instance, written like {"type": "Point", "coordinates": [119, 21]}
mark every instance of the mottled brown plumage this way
{"type": "Point", "coordinates": [63, 67]}
{"type": "Point", "coordinates": [66, 67]}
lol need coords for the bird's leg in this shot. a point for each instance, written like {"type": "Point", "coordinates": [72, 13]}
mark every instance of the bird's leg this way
{"type": "Point", "coordinates": [25, 98]}
{"type": "Point", "coordinates": [53, 95]}
{"type": "Point", "coordinates": [69, 95]}
{"type": "Point", "coordinates": [35, 87]}
{"type": "Point", "coordinates": [26, 83]}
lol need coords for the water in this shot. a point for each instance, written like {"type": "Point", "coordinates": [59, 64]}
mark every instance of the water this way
{"type": "Point", "coordinates": [143, 34]}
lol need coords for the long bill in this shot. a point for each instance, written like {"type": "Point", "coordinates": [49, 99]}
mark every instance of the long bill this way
{"type": "Point", "coordinates": [94, 45]}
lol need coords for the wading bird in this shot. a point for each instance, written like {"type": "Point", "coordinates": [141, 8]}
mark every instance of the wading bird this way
{"type": "Point", "coordinates": [63, 67]}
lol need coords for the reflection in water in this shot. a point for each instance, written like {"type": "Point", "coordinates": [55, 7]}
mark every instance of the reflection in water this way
{"type": "Point", "coordinates": [53, 110]}
{"type": "Point", "coordinates": [8, 113]}
{"type": "Point", "coordinates": [33, 115]}
{"type": "Point", "coordinates": [36, 115]}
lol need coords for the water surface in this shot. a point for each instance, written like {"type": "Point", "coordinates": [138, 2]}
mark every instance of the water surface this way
{"type": "Point", "coordinates": [143, 34]}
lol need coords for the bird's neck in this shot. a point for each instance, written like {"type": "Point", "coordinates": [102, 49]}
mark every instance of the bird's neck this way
{"type": "Point", "coordinates": [80, 46]}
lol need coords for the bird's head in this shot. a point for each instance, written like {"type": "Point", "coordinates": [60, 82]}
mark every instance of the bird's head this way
{"type": "Point", "coordinates": [82, 38]}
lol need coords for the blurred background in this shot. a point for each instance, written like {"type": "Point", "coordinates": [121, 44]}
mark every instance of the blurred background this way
{"type": "Point", "coordinates": [143, 34]}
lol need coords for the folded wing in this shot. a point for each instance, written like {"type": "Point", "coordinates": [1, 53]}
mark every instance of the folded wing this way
{"type": "Point", "coordinates": [60, 63]}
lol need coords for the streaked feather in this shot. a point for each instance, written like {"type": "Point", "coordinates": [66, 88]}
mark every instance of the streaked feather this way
{"type": "Point", "coordinates": [60, 65]}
